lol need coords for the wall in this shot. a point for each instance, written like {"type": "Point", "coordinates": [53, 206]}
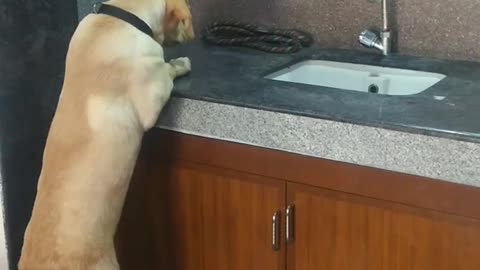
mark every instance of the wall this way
{"type": "Point", "coordinates": [437, 28]}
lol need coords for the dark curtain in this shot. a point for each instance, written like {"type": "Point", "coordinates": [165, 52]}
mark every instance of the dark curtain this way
{"type": "Point", "coordinates": [34, 36]}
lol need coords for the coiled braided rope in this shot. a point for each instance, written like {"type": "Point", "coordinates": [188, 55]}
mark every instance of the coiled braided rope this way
{"type": "Point", "coordinates": [233, 33]}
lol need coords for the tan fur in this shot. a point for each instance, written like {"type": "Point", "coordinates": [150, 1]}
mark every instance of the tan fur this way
{"type": "Point", "coordinates": [116, 83]}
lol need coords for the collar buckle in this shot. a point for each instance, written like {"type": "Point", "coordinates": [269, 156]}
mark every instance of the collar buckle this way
{"type": "Point", "coordinates": [96, 7]}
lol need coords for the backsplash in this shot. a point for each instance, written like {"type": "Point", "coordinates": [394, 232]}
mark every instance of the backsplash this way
{"type": "Point", "coordinates": [434, 28]}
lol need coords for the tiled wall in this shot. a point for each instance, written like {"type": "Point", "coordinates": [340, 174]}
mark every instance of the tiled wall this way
{"type": "Point", "coordinates": [436, 28]}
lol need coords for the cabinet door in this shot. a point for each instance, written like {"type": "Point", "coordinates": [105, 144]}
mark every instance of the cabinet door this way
{"type": "Point", "coordinates": [191, 217]}
{"type": "Point", "coordinates": [339, 231]}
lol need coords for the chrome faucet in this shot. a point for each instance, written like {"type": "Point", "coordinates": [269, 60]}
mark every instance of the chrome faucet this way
{"type": "Point", "coordinates": [382, 42]}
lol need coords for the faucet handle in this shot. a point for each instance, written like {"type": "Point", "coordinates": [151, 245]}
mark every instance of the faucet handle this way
{"type": "Point", "coordinates": [369, 39]}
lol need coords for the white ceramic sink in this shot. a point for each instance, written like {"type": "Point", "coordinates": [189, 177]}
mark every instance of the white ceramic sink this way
{"type": "Point", "coordinates": [357, 77]}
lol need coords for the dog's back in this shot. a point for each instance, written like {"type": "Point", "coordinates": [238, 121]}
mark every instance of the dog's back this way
{"type": "Point", "coordinates": [116, 82]}
{"type": "Point", "coordinates": [88, 158]}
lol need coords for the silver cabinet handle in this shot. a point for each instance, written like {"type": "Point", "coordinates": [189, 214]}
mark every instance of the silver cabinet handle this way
{"type": "Point", "coordinates": [289, 224]}
{"type": "Point", "coordinates": [276, 231]}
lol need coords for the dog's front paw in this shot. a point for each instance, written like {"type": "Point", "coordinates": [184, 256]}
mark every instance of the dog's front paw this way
{"type": "Point", "coordinates": [181, 65]}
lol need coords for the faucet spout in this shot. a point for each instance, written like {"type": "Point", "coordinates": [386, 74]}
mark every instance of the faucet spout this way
{"type": "Point", "coordinates": [386, 26]}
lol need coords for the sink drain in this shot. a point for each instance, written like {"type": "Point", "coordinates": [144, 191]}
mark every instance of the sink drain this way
{"type": "Point", "coordinates": [373, 88]}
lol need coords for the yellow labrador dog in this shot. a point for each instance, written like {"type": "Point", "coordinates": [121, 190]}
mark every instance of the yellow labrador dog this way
{"type": "Point", "coordinates": [116, 83]}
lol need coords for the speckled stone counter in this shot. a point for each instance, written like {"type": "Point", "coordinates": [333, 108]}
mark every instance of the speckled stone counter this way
{"type": "Point", "coordinates": [439, 158]}
{"type": "Point", "coordinates": [226, 97]}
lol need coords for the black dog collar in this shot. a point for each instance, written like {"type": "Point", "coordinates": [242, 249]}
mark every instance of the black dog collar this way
{"type": "Point", "coordinates": [101, 8]}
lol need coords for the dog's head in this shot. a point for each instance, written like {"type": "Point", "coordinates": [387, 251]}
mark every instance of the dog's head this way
{"type": "Point", "coordinates": [177, 23]}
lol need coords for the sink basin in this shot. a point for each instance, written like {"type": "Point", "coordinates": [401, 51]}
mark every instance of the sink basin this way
{"type": "Point", "coordinates": [357, 77]}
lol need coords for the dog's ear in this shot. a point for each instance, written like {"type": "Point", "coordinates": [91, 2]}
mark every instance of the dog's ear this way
{"type": "Point", "coordinates": [176, 16]}
{"type": "Point", "coordinates": [178, 20]}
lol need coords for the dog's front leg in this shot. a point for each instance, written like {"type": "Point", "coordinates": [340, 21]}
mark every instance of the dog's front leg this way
{"type": "Point", "coordinates": [179, 67]}
{"type": "Point", "coordinates": [152, 93]}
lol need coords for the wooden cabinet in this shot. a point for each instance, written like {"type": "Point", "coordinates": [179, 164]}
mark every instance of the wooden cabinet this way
{"type": "Point", "coordinates": [340, 231]}
{"type": "Point", "coordinates": [202, 204]}
{"type": "Point", "coordinates": [200, 217]}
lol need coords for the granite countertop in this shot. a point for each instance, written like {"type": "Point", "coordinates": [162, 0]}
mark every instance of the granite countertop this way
{"type": "Point", "coordinates": [235, 76]}
{"type": "Point", "coordinates": [226, 97]}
